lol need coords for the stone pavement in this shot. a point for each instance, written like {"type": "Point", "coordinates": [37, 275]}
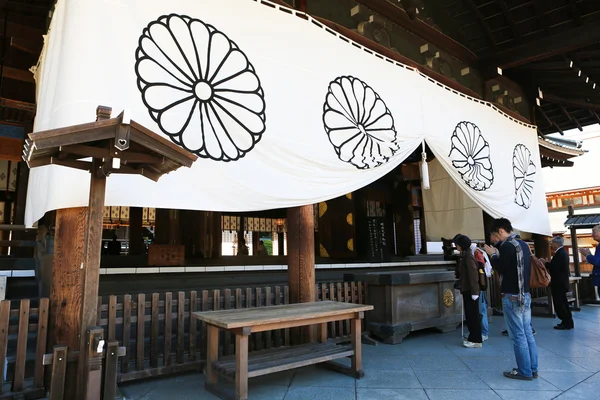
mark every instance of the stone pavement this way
{"type": "Point", "coordinates": [429, 365]}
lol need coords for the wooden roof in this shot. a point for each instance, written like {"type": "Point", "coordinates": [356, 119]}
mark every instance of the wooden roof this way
{"type": "Point", "coordinates": [586, 221]}
{"type": "Point", "coordinates": [126, 147]}
{"type": "Point", "coordinates": [551, 48]}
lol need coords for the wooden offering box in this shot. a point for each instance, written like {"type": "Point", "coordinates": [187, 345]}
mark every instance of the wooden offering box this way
{"type": "Point", "coordinates": [166, 254]}
{"type": "Point", "coordinates": [407, 301]}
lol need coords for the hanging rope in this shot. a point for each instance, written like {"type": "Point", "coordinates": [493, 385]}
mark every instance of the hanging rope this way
{"type": "Point", "coordinates": [424, 169]}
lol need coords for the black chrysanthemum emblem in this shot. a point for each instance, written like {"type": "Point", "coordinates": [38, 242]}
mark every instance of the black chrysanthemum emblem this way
{"type": "Point", "coordinates": [200, 88]}
{"type": "Point", "coordinates": [359, 125]}
{"type": "Point", "coordinates": [470, 155]}
{"type": "Point", "coordinates": [524, 173]}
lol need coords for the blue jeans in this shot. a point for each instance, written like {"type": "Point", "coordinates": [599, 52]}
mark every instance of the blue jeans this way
{"type": "Point", "coordinates": [518, 322]}
{"type": "Point", "coordinates": [483, 311]}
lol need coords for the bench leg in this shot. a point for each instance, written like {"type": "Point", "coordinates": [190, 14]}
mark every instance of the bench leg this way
{"type": "Point", "coordinates": [241, 367]}
{"type": "Point", "coordinates": [355, 335]}
{"type": "Point", "coordinates": [212, 354]}
{"type": "Point", "coordinates": [323, 332]}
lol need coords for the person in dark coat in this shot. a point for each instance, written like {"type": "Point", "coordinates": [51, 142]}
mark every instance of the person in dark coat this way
{"type": "Point", "coordinates": [469, 286]}
{"type": "Point", "coordinates": [560, 272]}
{"type": "Point", "coordinates": [594, 260]}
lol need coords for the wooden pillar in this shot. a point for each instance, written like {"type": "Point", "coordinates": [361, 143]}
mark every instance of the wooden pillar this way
{"type": "Point", "coordinates": [301, 255]}
{"type": "Point", "coordinates": [167, 226]}
{"type": "Point", "coordinates": [541, 244]}
{"type": "Point", "coordinates": [216, 235]}
{"type": "Point", "coordinates": [301, 259]}
{"type": "Point", "coordinates": [67, 286]}
{"type": "Point", "coordinates": [136, 241]}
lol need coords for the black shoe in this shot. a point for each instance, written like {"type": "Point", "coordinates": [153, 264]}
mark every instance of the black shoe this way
{"type": "Point", "coordinates": [514, 374]}
{"type": "Point", "coordinates": [534, 332]}
{"type": "Point", "coordinates": [561, 327]}
{"type": "Point", "coordinates": [505, 333]}
{"type": "Point", "coordinates": [534, 375]}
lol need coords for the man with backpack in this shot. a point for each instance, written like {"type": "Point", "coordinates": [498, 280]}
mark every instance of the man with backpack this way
{"type": "Point", "coordinates": [513, 263]}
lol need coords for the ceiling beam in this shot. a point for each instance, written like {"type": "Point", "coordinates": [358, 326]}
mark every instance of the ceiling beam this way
{"type": "Point", "coordinates": [540, 10]}
{"type": "Point", "coordinates": [17, 74]}
{"type": "Point", "coordinates": [484, 25]}
{"type": "Point", "coordinates": [571, 118]}
{"type": "Point", "coordinates": [575, 14]}
{"type": "Point", "coordinates": [20, 30]}
{"type": "Point", "coordinates": [548, 46]}
{"type": "Point", "coordinates": [31, 46]}
{"type": "Point", "coordinates": [558, 100]}
{"type": "Point", "coordinates": [510, 20]}
{"type": "Point", "coordinates": [546, 66]}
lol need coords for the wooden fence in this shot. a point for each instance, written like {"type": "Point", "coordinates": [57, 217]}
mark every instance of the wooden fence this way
{"type": "Point", "coordinates": [23, 334]}
{"type": "Point", "coordinates": [164, 341]}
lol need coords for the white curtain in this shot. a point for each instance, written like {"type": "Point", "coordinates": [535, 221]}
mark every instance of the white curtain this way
{"type": "Point", "coordinates": [281, 111]}
{"type": "Point", "coordinates": [448, 209]}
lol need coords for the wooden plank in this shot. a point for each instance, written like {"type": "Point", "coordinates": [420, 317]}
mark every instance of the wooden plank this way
{"type": "Point", "coordinates": [346, 299]}
{"type": "Point", "coordinates": [48, 359]}
{"type": "Point", "coordinates": [126, 331]}
{"type": "Point", "coordinates": [154, 332]}
{"type": "Point", "coordinates": [180, 327]}
{"type": "Point", "coordinates": [110, 370]}
{"type": "Point", "coordinates": [193, 326]}
{"type": "Point", "coordinates": [332, 298]}
{"type": "Point", "coordinates": [277, 303]}
{"type": "Point", "coordinates": [259, 304]}
{"type": "Point", "coordinates": [230, 319]}
{"type": "Point", "coordinates": [168, 327]}
{"type": "Point", "coordinates": [59, 368]}
{"type": "Point", "coordinates": [4, 323]}
{"type": "Point", "coordinates": [268, 338]}
{"type": "Point", "coordinates": [139, 351]}
{"type": "Point", "coordinates": [339, 297]}
{"type": "Point", "coordinates": [99, 311]}
{"type": "Point", "coordinates": [227, 335]}
{"type": "Point", "coordinates": [112, 316]}
{"type": "Point", "coordinates": [196, 366]}
{"type": "Point", "coordinates": [355, 337]}
{"type": "Point", "coordinates": [286, 300]}
{"type": "Point", "coordinates": [42, 336]}
{"type": "Point", "coordinates": [17, 384]}
{"type": "Point", "coordinates": [204, 306]}
{"type": "Point", "coordinates": [17, 74]}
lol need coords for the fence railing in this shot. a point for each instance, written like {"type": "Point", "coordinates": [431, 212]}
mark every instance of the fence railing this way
{"type": "Point", "coordinates": [160, 339]}
{"type": "Point", "coordinates": [23, 334]}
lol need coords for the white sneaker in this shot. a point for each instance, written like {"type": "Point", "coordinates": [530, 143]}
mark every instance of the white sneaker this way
{"type": "Point", "coordinates": [471, 345]}
{"type": "Point", "coordinates": [484, 337]}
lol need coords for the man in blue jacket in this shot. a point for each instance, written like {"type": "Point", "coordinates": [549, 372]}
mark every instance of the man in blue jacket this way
{"type": "Point", "coordinates": [513, 263]}
{"type": "Point", "coordinates": [594, 260]}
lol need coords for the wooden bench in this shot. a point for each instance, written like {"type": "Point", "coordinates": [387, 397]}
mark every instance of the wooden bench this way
{"type": "Point", "coordinates": [547, 306]}
{"type": "Point", "coordinates": [243, 322]}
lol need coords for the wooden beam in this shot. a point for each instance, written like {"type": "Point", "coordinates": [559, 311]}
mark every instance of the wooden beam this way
{"type": "Point", "coordinates": [482, 23]}
{"type": "Point", "coordinates": [17, 74]}
{"type": "Point", "coordinates": [31, 46]}
{"type": "Point", "coordinates": [540, 10]}
{"type": "Point", "coordinates": [99, 152]}
{"type": "Point", "coordinates": [398, 16]}
{"type": "Point", "coordinates": [20, 30]}
{"type": "Point", "coordinates": [548, 46]}
{"type": "Point", "coordinates": [511, 21]}
{"type": "Point", "coordinates": [558, 100]}
{"type": "Point", "coordinates": [91, 266]}
{"type": "Point", "coordinates": [575, 14]}
{"type": "Point", "coordinates": [570, 117]}
{"type": "Point", "coordinates": [18, 105]}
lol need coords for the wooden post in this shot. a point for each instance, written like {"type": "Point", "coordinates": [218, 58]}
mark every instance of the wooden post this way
{"type": "Point", "coordinates": [91, 263]}
{"type": "Point", "coordinates": [574, 245]}
{"type": "Point", "coordinates": [301, 259]}
{"type": "Point", "coordinates": [541, 245]}
{"type": "Point", "coordinates": [67, 286]}
{"type": "Point", "coordinates": [93, 353]}
{"type": "Point", "coordinates": [136, 242]}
